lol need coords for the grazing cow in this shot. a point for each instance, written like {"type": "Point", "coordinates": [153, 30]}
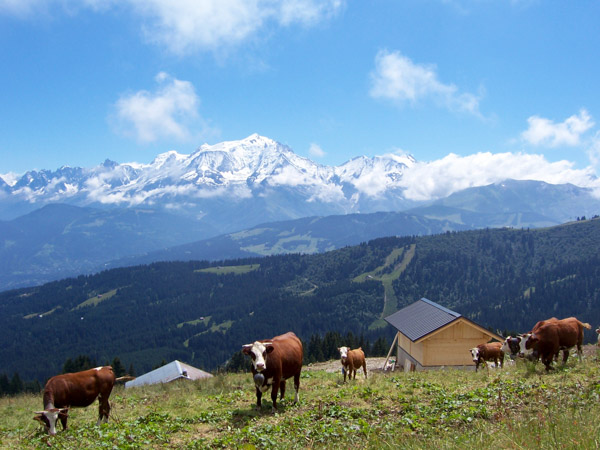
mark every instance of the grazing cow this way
{"type": "Point", "coordinates": [516, 345]}
{"type": "Point", "coordinates": [488, 352]}
{"type": "Point", "coordinates": [352, 360]}
{"type": "Point", "coordinates": [274, 361]}
{"type": "Point", "coordinates": [552, 337]}
{"type": "Point", "coordinates": [78, 389]}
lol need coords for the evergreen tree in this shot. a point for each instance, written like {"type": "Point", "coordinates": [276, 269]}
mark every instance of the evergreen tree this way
{"type": "Point", "coordinates": [4, 385]}
{"type": "Point", "coordinates": [118, 367]}
{"type": "Point", "coordinates": [82, 362]}
{"type": "Point", "coordinates": [16, 384]}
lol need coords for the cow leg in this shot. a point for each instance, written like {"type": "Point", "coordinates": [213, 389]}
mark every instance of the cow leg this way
{"type": "Point", "coordinates": [103, 409]}
{"type": "Point", "coordinates": [344, 371]}
{"type": "Point", "coordinates": [63, 420]}
{"type": "Point", "coordinates": [365, 369]}
{"type": "Point", "coordinates": [297, 387]}
{"type": "Point", "coordinates": [274, 391]}
{"type": "Point", "coordinates": [282, 389]}
{"type": "Point", "coordinates": [258, 398]}
{"type": "Point", "coordinates": [565, 356]}
{"type": "Point", "coordinates": [547, 360]}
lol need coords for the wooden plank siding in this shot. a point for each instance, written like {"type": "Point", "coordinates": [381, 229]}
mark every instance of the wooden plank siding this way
{"type": "Point", "coordinates": [448, 346]}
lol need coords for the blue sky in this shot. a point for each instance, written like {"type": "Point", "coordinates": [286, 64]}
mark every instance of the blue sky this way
{"type": "Point", "coordinates": [459, 84]}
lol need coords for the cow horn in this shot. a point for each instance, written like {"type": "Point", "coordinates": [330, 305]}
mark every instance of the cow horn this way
{"type": "Point", "coordinates": [247, 346]}
{"type": "Point", "coordinates": [39, 412]}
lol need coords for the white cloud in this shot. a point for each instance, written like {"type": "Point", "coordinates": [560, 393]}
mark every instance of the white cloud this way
{"type": "Point", "coordinates": [398, 79]}
{"type": "Point", "coordinates": [543, 131]}
{"type": "Point", "coordinates": [165, 113]}
{"type": "Point", "coordinates": [189, 25]}
{"type": "Point", "coordinates": [316, 151]}
{"type": "Point", "coordinates": [436, 179]}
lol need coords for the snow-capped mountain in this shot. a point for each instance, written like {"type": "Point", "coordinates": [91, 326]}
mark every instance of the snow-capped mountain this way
{"type": "Point", "coordinates": [231, 185]}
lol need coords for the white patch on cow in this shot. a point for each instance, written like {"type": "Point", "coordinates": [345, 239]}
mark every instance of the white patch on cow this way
{"type": "Point", "coordinates": [267, 385]}
{"type": "Point", "coordinates": [343, 353]}
{"type": "Point", "coordinates": [52, 417]}
{"type": "Point", "coordinates": [505, 347]}
{"type": "Point", "coordinates": [475, 354]}
{"type": "Point", "coordinates": [523, 350]}
{"type": "Point", "coordinates": [98, 369]}
{"type": "Point", "coordinates": [259, 350]}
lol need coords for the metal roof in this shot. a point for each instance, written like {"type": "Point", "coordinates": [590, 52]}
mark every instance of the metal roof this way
{"type": "Point", "coordinates": [421, 318]}
{"type": "Point", "coordinates": [169, 372]}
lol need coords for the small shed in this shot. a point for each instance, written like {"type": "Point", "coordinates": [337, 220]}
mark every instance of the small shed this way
{"type": "Point", "coordinates": [175, 370]}
{"type": "Point", "coordinates": [430, 336]}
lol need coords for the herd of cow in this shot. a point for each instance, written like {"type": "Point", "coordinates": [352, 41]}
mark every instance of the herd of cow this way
{"type": "Point", "coordinates": [545, 341]}
{"type": "Point", "coordinates": [280, 358]}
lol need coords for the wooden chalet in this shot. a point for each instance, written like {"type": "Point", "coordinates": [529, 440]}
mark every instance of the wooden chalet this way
{"type": "Point", "coordinates": [430, 337]}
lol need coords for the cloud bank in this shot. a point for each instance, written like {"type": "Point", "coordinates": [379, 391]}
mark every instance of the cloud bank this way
{"type": "Point", "coordinates": [440, 178]}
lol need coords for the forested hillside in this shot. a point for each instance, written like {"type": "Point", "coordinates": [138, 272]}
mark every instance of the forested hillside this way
{"type": "Point", "coordinates": [203, 312]}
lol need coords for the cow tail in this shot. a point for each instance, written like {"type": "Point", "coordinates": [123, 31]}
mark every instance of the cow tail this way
{"type": "Point", "coordinates": [586, 325]}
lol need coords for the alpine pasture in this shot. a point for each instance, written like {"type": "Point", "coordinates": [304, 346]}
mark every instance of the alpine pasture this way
{"type": "Point", "coordinates": [519, 406]}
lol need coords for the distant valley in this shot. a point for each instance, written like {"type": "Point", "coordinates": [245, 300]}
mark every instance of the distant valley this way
{"type": "Point", "coordinates": [202, 312]}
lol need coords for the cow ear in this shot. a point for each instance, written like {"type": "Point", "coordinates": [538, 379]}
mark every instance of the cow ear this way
{"type": "Point", "coordinates": [246, 349]}
{"type": "Point", "coordinates": [38, 418]}
{"type": "Point", "coordinates": [270, 348]}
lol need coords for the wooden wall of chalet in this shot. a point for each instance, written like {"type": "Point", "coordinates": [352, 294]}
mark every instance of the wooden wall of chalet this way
{"type": "Point", "coordinates": [448, 346]}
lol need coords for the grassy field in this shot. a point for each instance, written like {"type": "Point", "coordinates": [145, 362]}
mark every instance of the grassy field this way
{"type": "Point", "coordinates": [517, 407]}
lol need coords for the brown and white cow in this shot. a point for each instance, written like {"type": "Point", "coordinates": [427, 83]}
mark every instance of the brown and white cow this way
{"type": "Point", "coordinates": [552, 337]}
{"type": "Point", "coordinates": [274, 361]}
{"type": "Point", "coordinates": [516, 345]}
{"type": "Point", "coordinates": [598, 332]}
{"type": "Point", "coordinates": [352, 360]}
{"type": "Point", "coordinates": [488, 352]}
{"type": "Point", "coordinates": [78, 389]}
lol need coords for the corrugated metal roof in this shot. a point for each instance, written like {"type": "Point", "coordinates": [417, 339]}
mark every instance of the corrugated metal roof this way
{"type": "Point", "coordinates": [421, 318]}
{"type": "Point", "coordinates": [167, 373]}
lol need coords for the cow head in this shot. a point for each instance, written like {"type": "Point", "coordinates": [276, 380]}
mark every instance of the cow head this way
{"type": "Point", "coordinates": [531, 341]}
{"type": "Point", "coordinates": [344, 353]}
{"type": "Point", "coordinates": [475, 354]}
{"type": "Point", "coordinates": [49, 417]}
{"type": "Point", "coordinates": [258, 352]}
{"type": "Point", "coordinates": [511, 345]}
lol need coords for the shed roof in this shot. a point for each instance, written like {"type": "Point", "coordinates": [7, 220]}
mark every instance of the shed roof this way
{"type": "Point", "coordinates": [421, 318]}
{"type": "Point", "coordinates": [169, 372]}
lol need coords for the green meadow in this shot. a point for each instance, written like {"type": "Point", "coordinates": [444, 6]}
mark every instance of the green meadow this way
{"type": "Point", "coordinates": [519, 407]}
